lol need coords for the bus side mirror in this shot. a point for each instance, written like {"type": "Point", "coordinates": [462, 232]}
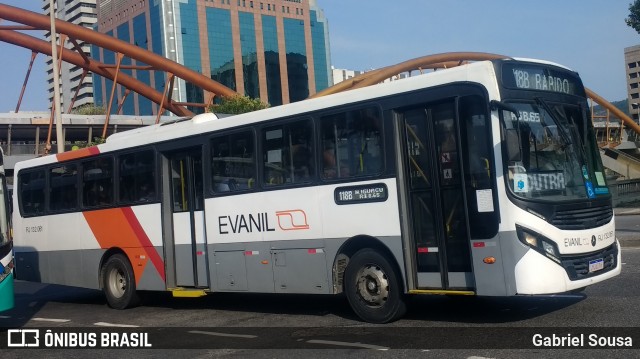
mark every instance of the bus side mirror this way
{"type": "Point", "coordinates": [514, 153]}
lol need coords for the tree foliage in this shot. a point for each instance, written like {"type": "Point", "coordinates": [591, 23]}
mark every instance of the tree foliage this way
{"type": "Point", "coordinates": [634, 16]}
{"type": "Point", "coordinates": [83, 144]}
{"type": "Point", "coordinates": [89, 109]}
{"type": "Point", "coordinates": [238, 104]}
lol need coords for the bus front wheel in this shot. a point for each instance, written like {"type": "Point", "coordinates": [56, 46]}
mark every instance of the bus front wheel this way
{"type": "Point", "coordinates": [373, 287]}
{"type": "Point", "coordinates": [118, 283]}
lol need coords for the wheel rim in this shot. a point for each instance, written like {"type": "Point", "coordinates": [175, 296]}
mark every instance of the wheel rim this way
{"type": "Point", "coordinates": [372, 285]}
{"type": "Point", "coordinates": [117, 282]}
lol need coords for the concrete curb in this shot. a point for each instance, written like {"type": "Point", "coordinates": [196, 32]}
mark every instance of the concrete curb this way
{"type": "Point", "coordinates": [629, 242]}
{"type": "Point", "coordinates": [626, 239]}
{"type": "Point", "coordinates": [626, 211]}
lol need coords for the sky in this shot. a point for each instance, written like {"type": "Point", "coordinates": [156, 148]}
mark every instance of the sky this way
{"type": "Point", "coordinates": [588, 36]}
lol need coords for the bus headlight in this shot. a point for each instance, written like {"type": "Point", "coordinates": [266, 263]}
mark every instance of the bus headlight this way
{"type": "Point", "coordinates": [538, 242]}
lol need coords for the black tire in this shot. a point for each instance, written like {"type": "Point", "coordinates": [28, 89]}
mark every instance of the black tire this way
{"type": "Point", "coordinates": [373, 288]}
{"type": "Point", "coordinates": [119, 283]}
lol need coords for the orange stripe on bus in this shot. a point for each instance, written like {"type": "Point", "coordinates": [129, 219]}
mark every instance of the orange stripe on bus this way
{"type": "Point", "coordinates": [113, 229]}
{"type": "Point", "coordinates": [80, 153]}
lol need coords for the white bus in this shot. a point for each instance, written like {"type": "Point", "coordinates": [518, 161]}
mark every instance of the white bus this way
{"type": "Point", "coordinates": [483, 179]}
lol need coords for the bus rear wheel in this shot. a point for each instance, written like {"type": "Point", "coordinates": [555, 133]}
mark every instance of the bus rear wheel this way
{"type": "Point", "coordinates": [118, 283]}
{"type": "Point", "coordinates": [373, 287]}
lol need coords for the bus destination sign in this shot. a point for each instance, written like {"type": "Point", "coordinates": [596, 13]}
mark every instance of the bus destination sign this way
{"type": "Point", "coordinates": [540, 78]}
{"type": "Point", "coordinates": [375, 192]}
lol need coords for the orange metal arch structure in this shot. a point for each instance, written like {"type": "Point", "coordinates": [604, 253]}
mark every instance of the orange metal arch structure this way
{"type": "Point", "coordinates": [35, 21]}
{"type": "Point", "coordinates": [445, 60]}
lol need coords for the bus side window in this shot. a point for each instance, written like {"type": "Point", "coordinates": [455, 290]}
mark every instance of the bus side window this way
{"type": "Point", "coordinates": [288, 153]}
{"type": "Point", "coordinates": [97, 182]}
{"type": "Point", "coordinates": [137, 177]}
{"type": "Point", "coordinates": [233, 165]}
{"type": "Point", "coordinates": [32, 192]}
{"type": "Point", "coordinates": [63, 194]}
{"type": "Point", "coordinates": [352, 144]}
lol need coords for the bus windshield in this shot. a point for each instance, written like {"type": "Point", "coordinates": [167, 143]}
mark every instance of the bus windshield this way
{"type": "Point", "coordinates": [554, 160]}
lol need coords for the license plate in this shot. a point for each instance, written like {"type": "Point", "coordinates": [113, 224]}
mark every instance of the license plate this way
{"type": "Point", "coordinates": [596, 265]}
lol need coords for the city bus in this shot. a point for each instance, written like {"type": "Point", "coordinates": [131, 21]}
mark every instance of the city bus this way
{"type": "Point", "coordinates": [6, 244]}
{"type": "Point", "coordinates": [483, 179]}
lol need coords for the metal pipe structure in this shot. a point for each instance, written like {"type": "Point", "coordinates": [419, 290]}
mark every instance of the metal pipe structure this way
{"type": "Point", "coordinates": [447, 60]}
{"type": "Point", "coordinates": [56, 77]}
{"type": "Point", "coordinates": [94, 66]}
{"type": "Point", "coordinates": [26, 80]}
{"type": "Point", "coordinates": [107, 42]}
{"type": "Point", "coordinates": [616, 111]}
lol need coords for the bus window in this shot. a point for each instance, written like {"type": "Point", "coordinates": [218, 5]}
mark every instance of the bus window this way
{"type": "Point", "coordinates": [288, 153]}
{"type": "Point", "coordinates": [32, 192]}
{"type": "Point", "coordinates": [233, 164]}
{"type": "Point", "coordinates": [63, 189]}
{"type": "Point", "coordinates": [352, 144]}
{"type": "Point", "coordinates": [97, 182]}
{"type": "Point", "coordinates": [137, 177]}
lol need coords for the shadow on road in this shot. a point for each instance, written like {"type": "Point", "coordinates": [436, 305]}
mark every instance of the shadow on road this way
{"type": "Point", "coordinates": [31, 298]}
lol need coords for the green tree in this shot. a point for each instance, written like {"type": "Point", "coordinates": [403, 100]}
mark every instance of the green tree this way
{"type": "Point", "coordinates": [89, 109]}
{"type": "Point", "coordinates": [239, 104]}
{"type": "Point", "coordinates": [634, 16]}
{"type": "Point", "coordinates": [83, 144]}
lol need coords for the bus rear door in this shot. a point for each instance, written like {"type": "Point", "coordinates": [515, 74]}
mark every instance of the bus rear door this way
{"type": "Point", "coordinates": [187, 213]}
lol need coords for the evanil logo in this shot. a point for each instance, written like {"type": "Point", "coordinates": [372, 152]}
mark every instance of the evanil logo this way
{"type": "Point", "coordinates": [289, 220]}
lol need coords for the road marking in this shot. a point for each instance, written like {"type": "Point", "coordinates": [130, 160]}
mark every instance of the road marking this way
{"type": "Point", "coordinates": [228, 335]}
{"type": "Point", "coordinates": [5, 317]}
{"type": "Point", "coordinates": [346, 344]}
{"type": "Point", "coordinates": [51, 320]}
{"type": "Point", "coordinates": [103, 324]}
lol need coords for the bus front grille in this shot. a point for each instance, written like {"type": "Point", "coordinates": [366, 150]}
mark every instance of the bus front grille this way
{"type": "Point", "coordinates": [584, 218]}
{"type": "Point", "coordinates": [577, 267]}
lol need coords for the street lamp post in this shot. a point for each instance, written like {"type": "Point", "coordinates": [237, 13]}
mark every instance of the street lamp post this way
{"type": "Point", "coordinates": [56, 80]}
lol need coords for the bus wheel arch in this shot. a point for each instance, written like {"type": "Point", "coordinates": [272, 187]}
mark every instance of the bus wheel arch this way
{"type": "Point", "coordinates": [366, 271]}
{"type": "Point", "coordinates": [117, 280]}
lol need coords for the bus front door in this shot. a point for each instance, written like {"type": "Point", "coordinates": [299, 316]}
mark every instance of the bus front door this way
{"type": "Point", "coordinates": [187, 211]}
{"type": "Point", "coordinates": [437, 221]}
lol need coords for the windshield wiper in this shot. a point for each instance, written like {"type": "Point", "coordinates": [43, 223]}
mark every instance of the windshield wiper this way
{"type": "Point", "coordinates": [561, 130]}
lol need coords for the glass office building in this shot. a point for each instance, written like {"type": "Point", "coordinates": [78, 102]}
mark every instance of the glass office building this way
{"type": "Point", "coordinates": [276, 50]}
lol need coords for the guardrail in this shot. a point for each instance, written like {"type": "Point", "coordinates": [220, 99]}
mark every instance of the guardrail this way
{"type": "Point", "coordinates": [625, 191]}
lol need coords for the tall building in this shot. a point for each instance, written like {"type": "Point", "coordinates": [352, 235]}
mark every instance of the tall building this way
{"type": "Point", "coordinates": [340, 75]}
{"type": "Point", "coordinates": [81, 13]}
{"type": "Point", "coordinates": [275, 50]}
{"type": "Point", "coordinates": [632, 68]}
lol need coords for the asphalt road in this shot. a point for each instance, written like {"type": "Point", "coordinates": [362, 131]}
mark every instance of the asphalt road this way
{"type": "Point", "coordinates": [239, 325]}
{"type": "Point", "coordinates": [628, 227]}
